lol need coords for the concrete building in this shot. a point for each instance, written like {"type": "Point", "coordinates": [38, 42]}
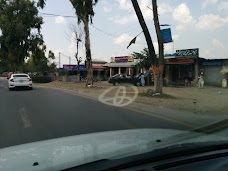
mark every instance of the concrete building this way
{"type": "Point", "coordinates": [212, 71]}
{"type": "Point", "coordinates": [182, 66]}
{"type": "Point", "coordinates": [122, 65]}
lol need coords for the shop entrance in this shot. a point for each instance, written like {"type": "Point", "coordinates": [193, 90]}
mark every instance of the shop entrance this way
{"type": "Point", "coordinates": [181, 72]}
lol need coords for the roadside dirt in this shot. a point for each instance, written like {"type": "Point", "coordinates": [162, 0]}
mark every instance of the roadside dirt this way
{"type": "Point", "coordinates": [209, 100]}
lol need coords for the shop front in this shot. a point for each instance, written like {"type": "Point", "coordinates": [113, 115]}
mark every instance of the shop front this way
{"type": "Point", "coordinates": [182, 68]}
{"type": "Point", "coordinates": [99, 71]}
{"type": "Point", "coordinates": [121, 65]}
{"type": "Point", "coordinates": [212, 72]}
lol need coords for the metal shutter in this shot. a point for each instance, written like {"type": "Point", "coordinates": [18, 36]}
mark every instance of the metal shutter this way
{"type": "Point", "coordinates": [212, 75]}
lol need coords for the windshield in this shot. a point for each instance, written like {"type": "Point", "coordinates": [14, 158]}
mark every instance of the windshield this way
{"type": "Point", "coordinates": [21, 76]}
{"type": "Point", "coordinates": [101, 66]}
{"type": "Point", "coordinates": [116, 75]}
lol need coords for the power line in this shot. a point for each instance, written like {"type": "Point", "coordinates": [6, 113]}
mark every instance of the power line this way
{"type": "Point", "coordinates": [57, 15]}
{"type": "Point", "coordinates": [109, 34]}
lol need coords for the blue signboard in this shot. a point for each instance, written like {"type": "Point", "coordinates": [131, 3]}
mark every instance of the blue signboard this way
{"type": "Point", "coordinates": [170, 55]}
{"type": "Point", "coordinates": [212, 63]}
{"type": "Point", "coordinates": [74, 67]}
{"type": "Point", "coordinates": [166, 35]}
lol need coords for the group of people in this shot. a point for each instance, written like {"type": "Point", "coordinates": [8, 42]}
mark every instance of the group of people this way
{"type": "Point", "coordinates": [200, 79]}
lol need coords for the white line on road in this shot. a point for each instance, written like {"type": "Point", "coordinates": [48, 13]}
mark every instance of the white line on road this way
{"type": "Point", "coordinates": [25, 118]}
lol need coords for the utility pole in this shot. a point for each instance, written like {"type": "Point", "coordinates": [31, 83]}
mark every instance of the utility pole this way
{"type": "Point", "coordinates": [59, 60]}
{"type": "Point", "coordinates": [69, 60]}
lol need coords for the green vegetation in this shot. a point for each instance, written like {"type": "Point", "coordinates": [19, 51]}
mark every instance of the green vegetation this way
{"type": "Point", "coordinates": [21, 39]}
{"type": "Point", "coordinates": [144, 59]}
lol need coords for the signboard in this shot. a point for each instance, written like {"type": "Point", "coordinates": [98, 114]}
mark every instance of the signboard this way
{"type": "Point", "coordinates": [166, 35]}
{"type": "Point", "coordinates": [170, 54]}
{"type": "Point", "coordinates": [120, 59]}
{"type": "Point", "coordinates": [74, 67]}
{"type": "Point", "coordinates": [69, 67]}
{"type": "Point", "coordinates": [180, 61]}
{"type": "Point", "coordinates": [188, 53]}
{"type": "Point", "coordinates": [130, 59]}
{"type": "Point", "coordinates": [212, 63]}
{"type": "Point", "coordinates": [112, 59]}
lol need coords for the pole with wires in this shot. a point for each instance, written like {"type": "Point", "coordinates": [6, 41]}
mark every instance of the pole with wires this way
{"type": "Point", "coordinates": [59, 59]}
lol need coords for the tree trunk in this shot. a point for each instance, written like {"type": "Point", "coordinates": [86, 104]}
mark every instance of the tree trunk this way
{"type": "Point", "coordinates": [159, 67]}
{"type": "Point", "coordinates": [157, 63]}
{"type": "Point", "coordinates": [89, 80]}
{"type": "Point", "coordinates": [78, 61]}
{"type": "Point", "coordinates": [145, 29]}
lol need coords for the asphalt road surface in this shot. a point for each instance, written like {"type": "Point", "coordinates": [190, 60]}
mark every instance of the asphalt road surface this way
{"type": "Point", "coordinates": [40, 114]}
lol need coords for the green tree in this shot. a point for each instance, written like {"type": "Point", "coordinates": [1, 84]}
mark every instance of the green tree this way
{"type": "Point", "coordinates": [143, 58]}
{"type": "Point", "coordinates": [38, 62]}
{"type": "Point", "coordinates": [84, 10]}
{"type": "Point", "coordinates": [20, 26]}
{"type": "Point", "coordinates": [143, 61]}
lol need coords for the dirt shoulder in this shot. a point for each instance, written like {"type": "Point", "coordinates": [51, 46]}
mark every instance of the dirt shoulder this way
{"type": "Point", "coordinates": [209, 100]}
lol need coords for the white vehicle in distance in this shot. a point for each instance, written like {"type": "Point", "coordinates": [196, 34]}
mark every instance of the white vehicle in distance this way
{"type": "Point", "coordinates": [19, 80]}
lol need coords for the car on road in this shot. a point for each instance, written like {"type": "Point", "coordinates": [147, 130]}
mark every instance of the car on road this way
{"type": "Point", "coordinates": [122, 78]}
{"type": "Point", "coordinates": [19, 80]}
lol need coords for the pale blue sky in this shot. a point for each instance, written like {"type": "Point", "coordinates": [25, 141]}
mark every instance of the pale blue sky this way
{"type": "Point", "coordinates": [199, 24]}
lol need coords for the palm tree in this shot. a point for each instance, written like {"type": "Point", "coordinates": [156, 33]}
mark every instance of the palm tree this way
{"type": "Point", "coordinates": [84, 11]}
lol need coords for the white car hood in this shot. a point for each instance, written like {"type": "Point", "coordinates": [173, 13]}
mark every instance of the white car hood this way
{"type": "Point", "coordinates": [67, 152]}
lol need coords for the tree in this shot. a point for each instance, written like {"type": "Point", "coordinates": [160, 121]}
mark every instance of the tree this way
{"type": "Point", "coordinates": [157, 69]}
{"type": "Point", "coordinates": [20, 26]}
{"type": "Point", "coordinates": [143, 58]}
{"type": "Point", "coordinates": [77, 38]}
{"type": "Point", "coordinates": [84, 11]}
{"type": "Point", "coordinates": [143, 61]}
{"type": "Point", "coordinates": [38, 62]}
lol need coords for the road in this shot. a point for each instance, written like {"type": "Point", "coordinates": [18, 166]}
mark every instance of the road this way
{"type": "Point", "coordinates": [40, 114]}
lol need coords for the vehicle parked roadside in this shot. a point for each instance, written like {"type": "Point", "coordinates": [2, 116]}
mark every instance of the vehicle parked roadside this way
{"type": "Point", "coordinates": [123, 78]}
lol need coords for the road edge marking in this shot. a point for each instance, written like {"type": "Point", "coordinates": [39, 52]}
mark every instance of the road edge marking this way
{"type": "Point", "coordinates": [25, 118]}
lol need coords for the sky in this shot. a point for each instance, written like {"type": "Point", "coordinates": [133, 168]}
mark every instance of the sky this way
{"type": "Point", "coordinates": [199, 24]}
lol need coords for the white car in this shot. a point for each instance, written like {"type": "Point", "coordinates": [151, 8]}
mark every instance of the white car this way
{"type": "Point", "coordinates": [19, 80]}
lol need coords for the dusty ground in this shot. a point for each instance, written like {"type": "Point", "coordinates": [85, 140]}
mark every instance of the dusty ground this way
{"type": "Point", "coordinates": [209, 100]}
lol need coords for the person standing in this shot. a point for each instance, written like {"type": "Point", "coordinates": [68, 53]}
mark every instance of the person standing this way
{"type": "Point", "coordinates": [142, 79]}
{"type": "Point", "coordinates": [201, 81]}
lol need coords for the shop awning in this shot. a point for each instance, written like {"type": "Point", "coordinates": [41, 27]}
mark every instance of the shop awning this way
{"type": "Point", "coordinates": [179, 61]}
{"type": "Point", "coordinates": [98, 67]}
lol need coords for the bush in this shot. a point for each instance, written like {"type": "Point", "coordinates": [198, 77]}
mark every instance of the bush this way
{"type": "Point", "coordinates": [41, 79]}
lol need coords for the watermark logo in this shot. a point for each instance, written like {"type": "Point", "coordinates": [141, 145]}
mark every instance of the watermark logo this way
{"type": "Point", "coordinates": [119, 96]}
